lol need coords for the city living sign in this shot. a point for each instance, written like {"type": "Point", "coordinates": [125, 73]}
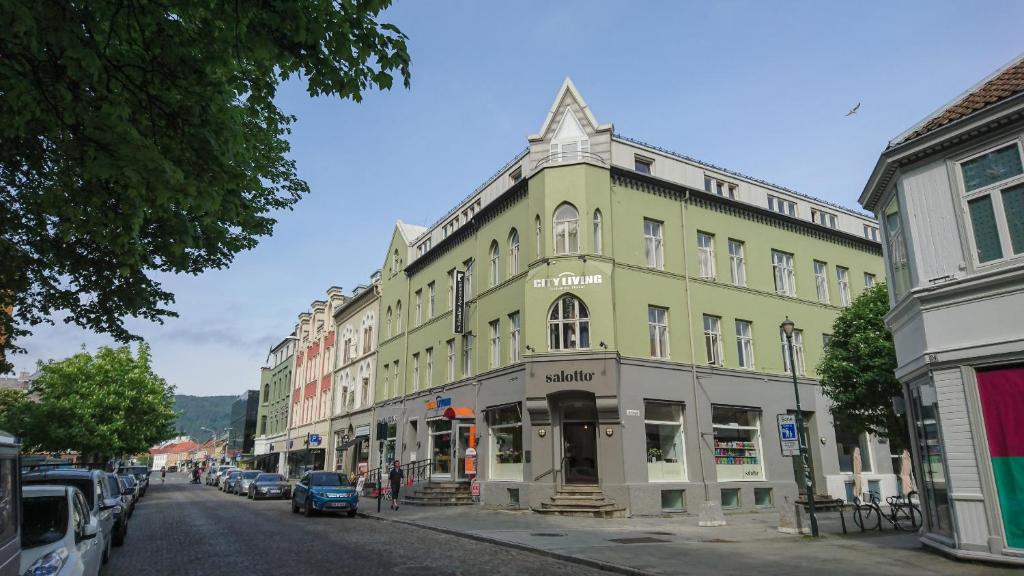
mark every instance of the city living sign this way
{"type": "Point", "coordinates": [459, 311]}
{"type": "Point", "coordinates": [567, 280]}
{"type": "Point", "coordinates": [788, 437]}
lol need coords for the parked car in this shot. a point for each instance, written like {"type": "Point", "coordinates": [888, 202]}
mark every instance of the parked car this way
{"type": "Point", "coordinates": [222, 475]}
{"type": "Point", "coordinates": [141, 473]}
{"type": "Point", "coordinates": [244, 480]}
{"type": "Point", "coordinates": [321, 491]}
{"type": "Point", "coordinates": [214, 473]}
{"type": "Point", "coordinates": [59, 533]}
{"type": "Point", "coordinates": [172, 468]}
{"type": "Point", "coordinates": [136, 490]}
{"type": "Point", "coordinates": [128, 492]}
{"type": "Point", "coordinates": [268, 485]}
{"type": "Point", "coordinates": [93, 485]}
{"type": "Point", "coordinates": [10, 506]}
{"type": "Point", "coordinates": [121, 512]}
{"type": "Point", "coordinates": [228, 483]}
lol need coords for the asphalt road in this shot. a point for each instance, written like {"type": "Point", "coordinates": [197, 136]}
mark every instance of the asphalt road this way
{"type": "Point", "coordinates": [184, 529]}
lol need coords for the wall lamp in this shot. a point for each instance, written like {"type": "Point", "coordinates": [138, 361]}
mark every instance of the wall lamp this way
{"type": "Point", "coordinates": [531, 348]}
{"type": "Point", "coordinates": [603, 345]}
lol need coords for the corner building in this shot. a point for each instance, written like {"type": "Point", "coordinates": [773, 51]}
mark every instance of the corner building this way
{"type": "Point", "coordinates": [622, 312]}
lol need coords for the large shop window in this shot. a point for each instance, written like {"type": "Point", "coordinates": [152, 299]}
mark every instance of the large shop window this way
{"type": "Point", "coordinates": [925, 403]}
{"type": "Point", "coordinates": [846, 441]}
{"type": "Point", "coordinates": [737, 443]}
{"type": "Point", "coordinates": [441, 446]}
{"type": "Point", "coordinates": [506, 428]}
{"type": "Point", "coordinates": [568, 324]}
{"type": "Point", "coordinates": [665, 449]}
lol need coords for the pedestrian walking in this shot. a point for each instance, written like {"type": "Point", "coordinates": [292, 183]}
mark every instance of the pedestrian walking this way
{"type": "Point", "coordinates": [163, 474]}
{"type": "Point", "coordinates": [395, 477]}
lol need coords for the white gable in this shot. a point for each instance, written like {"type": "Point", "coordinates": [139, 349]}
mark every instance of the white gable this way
{"type": "Point", "coordinates": [569, 128]}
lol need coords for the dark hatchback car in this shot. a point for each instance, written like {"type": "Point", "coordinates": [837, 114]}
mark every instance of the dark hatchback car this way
{"type": "Point", "coordinates": [141, 474]}
{"type": "Point", "coordinates": [228, 484]}
{"type": "Point", "coordinates": [268, 485]}
{"type": "Point", "coordinates": [321, 491]}
{"type": "Point", "coordinates": [121, 513]}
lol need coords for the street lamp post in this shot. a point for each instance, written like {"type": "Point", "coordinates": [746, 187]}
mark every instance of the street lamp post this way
{"type": "Point", "coordinates": [808, 463]}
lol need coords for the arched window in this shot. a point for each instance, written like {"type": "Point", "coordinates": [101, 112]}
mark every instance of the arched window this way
{"type": "Point", "coordinates": [398, 317]}
{"type": "Point", "coordinates": [568, 324]}
{"type": "Point", "coordinates": [495, 262]}
{"type": "Point", "coordinates": [513, 253]}
{"type": "Point", "coordinates": [266, 392]}
{"type": "Point", "coordinates": [566, 229]}
{"type": "Point", "coordinates": [394, 262]}
{"type": "Point", "coordinates": [539, 235]}
{"type": "Point", "coordinates": [388, 322]}
{"type": "Point", "coordinates": [597, 231]}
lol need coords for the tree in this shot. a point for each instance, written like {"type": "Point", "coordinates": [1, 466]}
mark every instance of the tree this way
{"type": "Point", "coordinates": [102, 405]}
{"type": "Point", "coordinates": [857, 369]}
{"type": "Point", "coordinates": [142, 137]}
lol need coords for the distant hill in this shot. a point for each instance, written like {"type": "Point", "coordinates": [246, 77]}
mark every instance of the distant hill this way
{"type": "Point", "coordinates": [198, 411]}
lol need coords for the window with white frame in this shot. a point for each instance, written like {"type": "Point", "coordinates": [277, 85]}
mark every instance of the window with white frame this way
{"type": "Point", "coordinates": [467, 282]}
{"type": "Point", "coordinates": [785, 277]}
{"type": "Point", "coordinates": [568, 324]}
{"type": "Point", "coordinates": [398, 317]}
{"type": "Point", "coordinates": [821, 280]}
{"type": "Point", "coordinates": [451, 360]}
{"type": "Point", "coordinates": [737, 266]}
{"type": "Point", "coordinates": [781, 205]}
{"type": "Point", "coordinates": [737, 437]}
{"type": "Point", "coordinates": [994, 202]}
{"type": "Point", "coordinates": [745, 344]}
{"type": "Point", "coordinates": [566, 228]}
{"type": "Point", "coordinates": [513, 253]}
{"type": "Point", "coordinates": [419, 307]}
{"type": "Point", "coordinates": [654, 244]}
{"type": "Point", "coordinates": [495, 326]}
{"type": "Point", "coordinates": [713, 339]}
{"type": "Point", "coordinates": [516, 175]}
{"type": "Point", "coordinates": [663, 427]}
{"type": "Point", "coordinates": [871, 232]}
{"type": "Point", "coordinates": [505, 424]}
{"type": "Point", "coordinates": [467, 354]}
{"type": "Point", "coordinates": [719, 187]}
{"type": "Point", "coordinates": [822, 218]}
{"type": "Point", "coordinates": [706, 255]}
{"type": "Point", "coordinates": [642, 165]}
{"type": "Point", "coordinates": [387, 372]}
{"type": "Point", "coordinates": [869, 280]}
{"type": "Point", "coordinates": [430, 368]}
{"type": "Point", "coordinates": [394, 262]}
{"type": "Point", "coordinates": [415, 372]}
{"type": "Point", "coordinates": [396, 381]}
{"type": "Point", "coordinates": [798, 351]}
{"type": "Point", "coordinates": [843, 279]}
{"type": "Point", "coordinates": [495, 263]}
{"type": "Point", "coordinates": [598, 240]}
{"type": "Point", "coordinates": [387, 320]}
{"type": "Point", "coordinates": [657, 327]}
{"type": "Point", "coordinates": [540, 237]}
{"type": "Point", "coordinates": [899, 263]}
{"type": "Point", "coordinates": [431, 300]}
{"type": "Point", "coordinates": [513, 337]}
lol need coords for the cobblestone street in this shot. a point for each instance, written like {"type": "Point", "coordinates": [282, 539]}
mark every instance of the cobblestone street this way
{"type": "Point", "coordinates": [183, 529]}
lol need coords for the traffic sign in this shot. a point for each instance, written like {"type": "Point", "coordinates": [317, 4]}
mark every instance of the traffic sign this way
{"type": "Point", "coordinates": [789, 438]}
{"type": "Point", "coordinates": [314, 439]}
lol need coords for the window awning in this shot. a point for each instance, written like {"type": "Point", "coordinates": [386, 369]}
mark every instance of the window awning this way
{"type": "Point", "coordinates": [459, 413]}
{"type": "Point", "coordinates": [347, 445]}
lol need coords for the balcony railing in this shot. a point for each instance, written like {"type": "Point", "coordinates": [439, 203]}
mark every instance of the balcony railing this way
{"type": "Point", "coordinates": [576, 156]}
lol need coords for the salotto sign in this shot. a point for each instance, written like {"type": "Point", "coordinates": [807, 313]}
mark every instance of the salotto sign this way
{"type": "Point", "coordinates": [567, 280]}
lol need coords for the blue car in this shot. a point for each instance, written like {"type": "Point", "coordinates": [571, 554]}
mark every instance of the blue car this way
{"type": "Point", "coordinates": [320, 491]}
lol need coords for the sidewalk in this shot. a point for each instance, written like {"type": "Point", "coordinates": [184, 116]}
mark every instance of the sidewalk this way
{"type": "Point", "coordinates": [749, 544]}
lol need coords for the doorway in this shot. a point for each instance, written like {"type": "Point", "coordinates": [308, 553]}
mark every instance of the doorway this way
{"type": "Point", "coordinates": [580, 452]}
{"type": "Point", "coordinates": [462, 442]}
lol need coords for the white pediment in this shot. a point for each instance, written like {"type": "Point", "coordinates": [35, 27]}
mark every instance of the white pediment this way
{"type": "Point", "coordinates": [576, 109]}
{"type": "Point", "coordinates": [569, 128]}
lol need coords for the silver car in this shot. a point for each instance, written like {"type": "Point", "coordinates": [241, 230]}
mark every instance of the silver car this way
{"type": "Point", "coordinates": [60, 535]}
{"type": "Point", "coordinates": [246, 478]}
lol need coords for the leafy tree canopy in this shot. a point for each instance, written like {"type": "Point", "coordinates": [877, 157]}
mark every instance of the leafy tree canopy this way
{"type": "Point", "coordinates": [857, 369]}
{"type": "Point", "coordinates": [143, 136]}
{"type": "Point", "coordinates": [101, 405]}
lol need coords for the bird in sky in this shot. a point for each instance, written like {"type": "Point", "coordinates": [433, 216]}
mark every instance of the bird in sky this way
{"type": "Point", "coordinates": [853, 110]}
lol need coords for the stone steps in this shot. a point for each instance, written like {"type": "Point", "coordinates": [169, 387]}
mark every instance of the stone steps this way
{"type": "Point", "coordinates": [581, 501]}
{"type": "Point", "coordinates": [440, 494]}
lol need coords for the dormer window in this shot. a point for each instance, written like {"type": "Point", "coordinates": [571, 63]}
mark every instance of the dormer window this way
{"type": "Point", "coordinates": [720, 187]}
{"type": "Point", "coordinates": [570, 141]}
{"type": "Point", "coordinates": [642, 165]}
{"type": "Point", "coordinates": [781, 205]}
{"type": "Point", "coordinates": [822, 218]}
{"type": "Point", "coordinates": [516, 175]}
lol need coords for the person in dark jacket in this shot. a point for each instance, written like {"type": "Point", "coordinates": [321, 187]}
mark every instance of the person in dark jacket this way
{"type": "Point", "coordinates": [395, 477]}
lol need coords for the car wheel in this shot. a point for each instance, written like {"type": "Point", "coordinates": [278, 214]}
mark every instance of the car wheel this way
{"type": "Point", "coordinates": [119, 536]}
{"type": "Point", "coordinates": [351, 513]}
{"type": "Point", "coordinates": [106, 552]}
{"type": "Point", "coordinates": [308, 510]}
{"type": "Point", "coordinates": [295, 507]}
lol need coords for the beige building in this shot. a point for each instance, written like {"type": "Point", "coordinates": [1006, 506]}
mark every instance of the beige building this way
{"type": "Point", "coordinates": [312, 380]}
{"type": "Point", "coordinates": [355, 323]}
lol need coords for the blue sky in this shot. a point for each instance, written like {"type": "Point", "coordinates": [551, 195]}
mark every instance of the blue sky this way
{"type": "Point", "coordinates": [760, 88]}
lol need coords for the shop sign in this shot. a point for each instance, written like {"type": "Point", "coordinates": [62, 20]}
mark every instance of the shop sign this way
{"type": "Point", "coordinates": [362, 431]}
{"type": "Point", "coordinates": [632, 412]}
{"type": "Point", "coordinates": [571, 376]}
{"type": "Point", "coordinates": [471, 462]}
{"type": "Point", "coordinates": [474, 489]}
{"type": "Point", "coordinates": [567, 280]}
{"type": "Point", "coordinates": [788, 437]}
{"type": "Point", "coordinates": [459, 313]}
{"type": "Point", "coordinates": [438, 403]}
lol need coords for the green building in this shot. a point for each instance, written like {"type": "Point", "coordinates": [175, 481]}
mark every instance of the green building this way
{"type": "Point", "coordinates": [621, 331]}
{"type": "Point", "coordinates": [272, 415]}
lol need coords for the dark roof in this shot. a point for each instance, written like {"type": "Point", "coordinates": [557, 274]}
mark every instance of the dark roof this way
{"type": "Point", "coordinates": [59, 474]}
{"type": "Point", "coordinates": [1003, 84]}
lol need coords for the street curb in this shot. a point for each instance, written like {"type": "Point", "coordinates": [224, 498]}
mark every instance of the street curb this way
{"type": "Point", "coordinates": [600, 565]}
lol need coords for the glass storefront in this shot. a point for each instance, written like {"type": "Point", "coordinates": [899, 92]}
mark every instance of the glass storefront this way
{"type": "Point", "coordinates": [737, 443]}
{"type": "Point", "coordinates": [441, 446]}
{"type": "Point", "coordinates": [506, 449]}
{"type": "Point", "coordinates": [664, 428]}
{"type": "Point", "coordinates": [930, 449]}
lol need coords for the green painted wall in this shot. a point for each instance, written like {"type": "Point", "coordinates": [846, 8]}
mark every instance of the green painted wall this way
{"type": "Point", "coordinates": [618, 304]}
{"type": "Point", "coordinates": [275, 408]}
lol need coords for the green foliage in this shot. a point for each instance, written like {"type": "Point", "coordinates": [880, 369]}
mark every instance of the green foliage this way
{"type": "Point", "coordinates": [102, 405]}
{"type": "Point", "coordinates": [197, 412]}
{"type": "Point", "coordinates": [14, 407]}
{"type": "Point", "coordinates": [857, 369]}
{"type": "Point", "coordinates": [142, 137]}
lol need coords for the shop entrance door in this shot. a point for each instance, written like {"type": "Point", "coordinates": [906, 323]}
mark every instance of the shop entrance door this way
{"type": "Point", "coordinates": [461, 444]}
{"type": "Point", "coordinates": [580, 452]}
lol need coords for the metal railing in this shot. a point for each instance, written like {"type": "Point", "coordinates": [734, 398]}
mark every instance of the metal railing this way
{"type": "Point", "coordinates": [559, 157]}
{"type": "Point", "coordinates": [416, 471]}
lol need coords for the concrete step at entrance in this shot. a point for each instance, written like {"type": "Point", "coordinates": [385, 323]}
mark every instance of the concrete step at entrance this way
{"type": "Point", "coordinates": [581, 500]}
{"type": "Point", "coordinates": [440, 494]}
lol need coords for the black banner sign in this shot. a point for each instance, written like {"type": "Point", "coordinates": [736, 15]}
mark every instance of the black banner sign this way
{"type": "Point", "coordinates": [458, 314]}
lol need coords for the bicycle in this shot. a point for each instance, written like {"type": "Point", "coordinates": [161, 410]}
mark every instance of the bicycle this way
{"type": "Point", "coordinates": [903, 515]}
